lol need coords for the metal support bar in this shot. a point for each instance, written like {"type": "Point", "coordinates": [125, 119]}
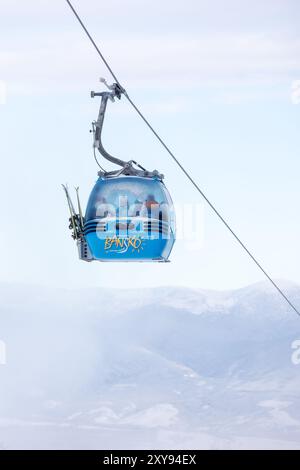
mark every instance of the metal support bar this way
{"type": "Point", "coordinates": [128, 168]}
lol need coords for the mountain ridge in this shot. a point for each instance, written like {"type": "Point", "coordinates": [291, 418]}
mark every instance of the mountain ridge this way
{"type": "Point", "coordinates": [166, 368]}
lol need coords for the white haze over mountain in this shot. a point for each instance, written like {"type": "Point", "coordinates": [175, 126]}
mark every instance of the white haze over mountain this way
{"type": "Point", "coordinates": [163, 368]}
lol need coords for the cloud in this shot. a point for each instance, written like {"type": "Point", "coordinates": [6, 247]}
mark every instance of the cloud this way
{"type": "Point", "coordinates": [188, 45]}
{"type": "Point", "coordinates": [295, 97]}
{"type": "Point", "coordinates": [2, 92]}
{"type": "Point", "coordinates": [66, 62]}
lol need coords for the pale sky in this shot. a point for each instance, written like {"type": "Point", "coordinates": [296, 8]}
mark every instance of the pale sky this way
{"type": "Point", "coordinates": [214, 78]}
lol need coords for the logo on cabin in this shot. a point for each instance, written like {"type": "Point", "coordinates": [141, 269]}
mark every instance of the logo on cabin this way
{"type": "Point", "coordinates": [123, 245]}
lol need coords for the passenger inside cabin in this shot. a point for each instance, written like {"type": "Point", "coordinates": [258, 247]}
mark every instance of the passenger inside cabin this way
{"type": "Point", "coordinates": [150, 208]}
{"type": "Point", "coordinates": [103, 209]}
{"type": "Point", "coordinates": [135, 208]}
{"type": "Point", "coordinates": [122, 209]}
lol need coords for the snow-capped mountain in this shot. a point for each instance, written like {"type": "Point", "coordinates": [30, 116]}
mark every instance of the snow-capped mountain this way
{"type": "Point", "coordinates": [155, 368]}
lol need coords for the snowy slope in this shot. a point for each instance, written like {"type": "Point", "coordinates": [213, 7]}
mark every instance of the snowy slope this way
{"type": "Point", "coordinates": [168, 367]}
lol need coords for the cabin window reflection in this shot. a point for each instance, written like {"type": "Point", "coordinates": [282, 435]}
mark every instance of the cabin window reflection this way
{"type": "Point", "coordinates": [124, 199]}
{"type": "Point", "coordinates": [104, 209]}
